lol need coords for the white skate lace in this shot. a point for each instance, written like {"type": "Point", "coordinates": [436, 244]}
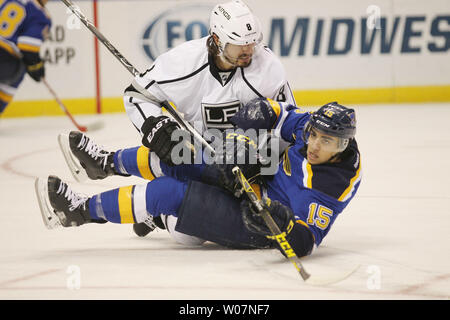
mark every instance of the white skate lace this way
{"type": "Point", "coordinates": [76, 200]}
{"type": "Point", "coordinates": [93, 150]}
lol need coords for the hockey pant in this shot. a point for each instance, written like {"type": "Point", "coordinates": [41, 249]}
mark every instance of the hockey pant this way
{"type": "Point", "coordinates": [12, 72]}
{"type": "Point", "coordinates": [203, 212]}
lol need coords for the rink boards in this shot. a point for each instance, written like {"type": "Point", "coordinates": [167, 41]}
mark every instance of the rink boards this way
{"type": "Point", "coordinates": [352, 51]}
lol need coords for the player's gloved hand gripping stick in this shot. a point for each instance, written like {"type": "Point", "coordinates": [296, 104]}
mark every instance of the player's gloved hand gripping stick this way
{"type": "Point", "coordinates": [273, 227]}
{"type": "Point", "coordinates": [284, 244]}
{"type": "Point", "coordinates": [143, 93]}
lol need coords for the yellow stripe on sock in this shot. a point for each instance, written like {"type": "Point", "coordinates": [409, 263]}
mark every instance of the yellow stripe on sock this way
{"type": "Point", "coordinates": [126, 204]}
{"type": "Point", "coordinates": [143, 163]}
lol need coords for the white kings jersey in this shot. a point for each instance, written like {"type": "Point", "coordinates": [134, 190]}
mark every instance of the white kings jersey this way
{"type": "Point", "coordinates": [187, 76]}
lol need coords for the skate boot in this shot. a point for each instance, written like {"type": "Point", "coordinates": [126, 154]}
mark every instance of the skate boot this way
{"type": "Point", "coordinates": [71, 208]}
{"type": "Point", "coordinates": [85, 158]}
{"type": "Point", "coordinates": [142, 229]}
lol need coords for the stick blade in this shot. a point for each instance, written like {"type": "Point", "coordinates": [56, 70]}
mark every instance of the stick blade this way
{"type": "Point", "coordinates": [315, 280]}
{"type": "Point", "coordinates": [94, 126]}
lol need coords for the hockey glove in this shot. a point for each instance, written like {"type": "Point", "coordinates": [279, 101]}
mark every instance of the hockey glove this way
{"type": "Point", "coordinates": [239, 150]}
{"type": "Point", "coordinates": [34, 64]}
{"type": "Point", "coordinates": [258, 113]}
{"type": "Point", "coordinates": [220, 176]}
{"type": "Point", "coordinates": [281, 214]}
{"type": "Point", "coordinates": [157, 136]}
{"type": "Point", "coordinates": [242, 151]}
{"type": "Point", "coordinates": [36, 71]}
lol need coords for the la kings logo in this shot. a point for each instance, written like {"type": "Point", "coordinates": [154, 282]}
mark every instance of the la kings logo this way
{"type": "Point", "coordinates": [224, 77]}
{"type": "Point", "coordinates": [219, 115]}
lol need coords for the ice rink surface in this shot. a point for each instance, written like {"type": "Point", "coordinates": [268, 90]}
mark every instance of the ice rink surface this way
{"type": "Point", "coordinates": [397, 228]}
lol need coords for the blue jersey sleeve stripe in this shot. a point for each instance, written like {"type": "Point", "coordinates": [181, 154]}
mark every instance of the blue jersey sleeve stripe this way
{"type": "Point", "coordinates": [352, 185]}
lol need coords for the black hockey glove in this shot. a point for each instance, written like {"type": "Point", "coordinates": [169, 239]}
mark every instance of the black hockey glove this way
{"type": "Point", "coordinates": [220, 176]}
{"type": "Point", "coordinates": [281, 214]}
{"type": "Point", "coordinates": [157, 136]}
{"type": "Point", "coordinates": [300, 238]}
{"type": "Point", "coordinates": [36, 71]}
{"type": "Point", "coordinates": [34, 64]}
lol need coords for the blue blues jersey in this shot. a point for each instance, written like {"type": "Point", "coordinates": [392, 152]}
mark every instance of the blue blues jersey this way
{"type": "Point", "coordinates": [24, 25]}
{"type": "Point", "coordinates": [317, 194]}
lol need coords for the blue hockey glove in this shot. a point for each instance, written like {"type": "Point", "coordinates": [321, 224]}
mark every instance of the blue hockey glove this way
{"type": "Point", "coordinates": [258, 113]}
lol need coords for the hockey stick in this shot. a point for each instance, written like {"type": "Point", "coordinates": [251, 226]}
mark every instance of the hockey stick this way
{"type": "Point", "coordinates": [273, 227]}
{"type": "Point", "coordinates": [166, 104]}
{"type": "Point", "coordinates": [91, 127]}
{"type": "Point", "coordinates": [281, 239]}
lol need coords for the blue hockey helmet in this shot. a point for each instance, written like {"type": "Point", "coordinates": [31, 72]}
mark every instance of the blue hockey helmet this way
{"type": "Point", "coordinates": [335, 120]}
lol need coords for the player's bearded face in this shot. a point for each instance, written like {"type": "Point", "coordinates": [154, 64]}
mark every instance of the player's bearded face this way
{"type": "Point", "coordinates": [239, 56]}
{"type": "Point", "coordinates": [321, 147]}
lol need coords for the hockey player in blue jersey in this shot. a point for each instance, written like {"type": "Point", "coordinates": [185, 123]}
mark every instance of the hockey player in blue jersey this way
{"type": "Point", "coordinates": [24, 25]}
{"type": "Point", "coordinates": [317, 177]}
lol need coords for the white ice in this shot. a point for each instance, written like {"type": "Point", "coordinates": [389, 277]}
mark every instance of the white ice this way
{"type": "Point", "coordinates": [396, 229]}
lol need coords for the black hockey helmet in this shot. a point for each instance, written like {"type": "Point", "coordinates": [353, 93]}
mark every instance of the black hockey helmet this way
{"type": "Point", "coordinates": [335, 120]}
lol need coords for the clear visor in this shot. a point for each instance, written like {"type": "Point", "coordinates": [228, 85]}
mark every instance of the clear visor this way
{"type": "Point", "coordinates": [319, 139]}
{"type": "Point", "coordinates": [239, 54]}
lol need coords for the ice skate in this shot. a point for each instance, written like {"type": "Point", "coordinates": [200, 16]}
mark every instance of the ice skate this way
{"type": "Point", "coordinates": [144, 228]}
{"type": "Point", "coordinates": [58, 202]}
{"type": "Point", "coordinates": [85, 158]}
{"type": "Point", "coordinates": [49, 217]}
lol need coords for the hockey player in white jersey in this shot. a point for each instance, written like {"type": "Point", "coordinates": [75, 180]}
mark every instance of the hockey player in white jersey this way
{"type": "Point", "coordinates": [208, 80]}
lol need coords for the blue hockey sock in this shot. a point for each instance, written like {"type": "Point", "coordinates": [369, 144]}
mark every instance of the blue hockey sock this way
{"type": "Point", "coordinates": [133, 204]}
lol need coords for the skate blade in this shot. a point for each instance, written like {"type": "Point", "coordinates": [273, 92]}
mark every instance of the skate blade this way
{"type": "Point", "coordinates": [74, 165]}
{"type": "Point", "coordinates": [50, 219]}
